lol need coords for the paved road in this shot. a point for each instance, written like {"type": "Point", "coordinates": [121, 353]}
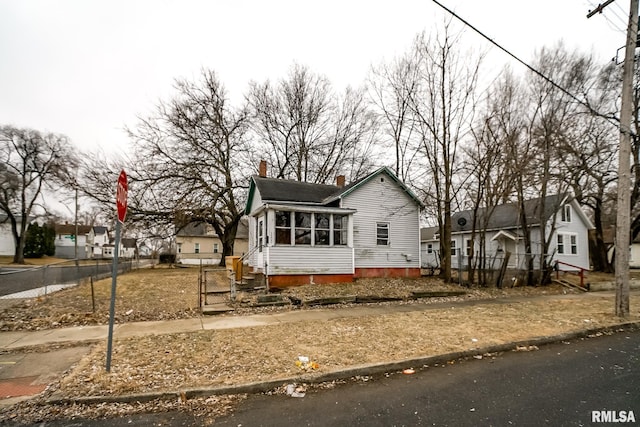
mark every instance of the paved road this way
{"type": "Point", "coordinates": [558, 385]}
{"type": "Point", "coordinates": [15, 280]}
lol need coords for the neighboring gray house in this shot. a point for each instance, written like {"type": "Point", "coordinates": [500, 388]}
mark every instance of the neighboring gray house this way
{"type": "Point", "coordinates": [565, 224]}
{"type": "Point", "coordinates": [302, 233]}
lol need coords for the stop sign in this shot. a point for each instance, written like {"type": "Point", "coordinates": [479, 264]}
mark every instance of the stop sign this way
{"type": "Point", "coordinates": [121, 196]}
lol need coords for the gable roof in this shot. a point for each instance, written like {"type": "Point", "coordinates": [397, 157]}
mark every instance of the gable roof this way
{"type": "Point", "coordinates": [70, 229]}
{"type": "Point", "coordinates": [428, 234]}
{"type": "Point", "coordinates": [275, 190]}
{"type": "Point", "coordinates": [195, 229]}
{"type": "Point", "coordinates": [98, 229]}
{"type": "Point", "coordinates": [507, 216]}
{"type": "Point", "coordinates": [286, 190]}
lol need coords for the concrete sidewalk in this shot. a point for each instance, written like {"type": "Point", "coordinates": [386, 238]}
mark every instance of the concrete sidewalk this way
{"type": "Point", "coordinates": [91, 334]}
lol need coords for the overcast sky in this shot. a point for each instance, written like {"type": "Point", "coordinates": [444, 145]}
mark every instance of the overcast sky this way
{"type": "Point", "coordinates": [87, 68]}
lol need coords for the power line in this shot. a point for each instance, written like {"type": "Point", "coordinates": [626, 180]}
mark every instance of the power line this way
{"type": "Point", "coordinates": [531, 68]}
{"type": "Point", "coordinates": [612, 25]}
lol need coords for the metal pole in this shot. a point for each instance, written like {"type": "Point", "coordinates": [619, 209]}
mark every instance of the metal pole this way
{"type": "Point", "coordinates": [76, 223]}
{"type": "Point", "coordinates": [624, 169]}
{"type": "Point", "coordinates": [112, 308]}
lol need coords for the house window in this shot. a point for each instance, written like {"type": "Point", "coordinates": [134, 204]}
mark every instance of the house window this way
{"type": "Point", "coordinates": [283, 228]}
{"type": "Point", "coordinates": [567, 244]}
{"type": "Point", "coordinates": [321, 232]}
{"type": "Point", "coordinates": [196, 248]}
{"type": "Point", "coordinates": [260, 235]}
{"type": "Point", "coordinates": [303, 228]}
{"type": "Point", "coordinates": [560, 243]}
{"type": "Point", "coordinates": [382, 233]}
{"type": "Point", "coordinates": [340, 229]}
{"type": "Point", "coordinates": [179, 248]}
{"type": "Point", "coordinates": [429, 248]}
{"type": "Point", "coordinates": [215, 248]}
{"type": "Point", "coordinates": [468, 247]}
{"type": "Point", "coordinates": [453, 247]}
{"type": "Point", "coordinates": [566, 213]}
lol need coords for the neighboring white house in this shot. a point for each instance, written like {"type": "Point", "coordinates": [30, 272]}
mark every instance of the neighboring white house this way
{"type": "Point", "coordinates": [7, 243]}
{"type": "Point", "coordinates": [100, 238]}
{"type": "Point", "coordinates": [128, 248]}
{"type": "Point", "coordinates": [565, 225]}
{"type": "Point", "coordinates": [302, 233]}
{"type": "Point", "coordinates": [65, 242]}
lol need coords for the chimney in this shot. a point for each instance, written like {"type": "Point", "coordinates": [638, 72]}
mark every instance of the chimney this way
{"type": "Point", "coordinates": [262, 170]}
{"type": "Point", "coordinates": [340, 181]}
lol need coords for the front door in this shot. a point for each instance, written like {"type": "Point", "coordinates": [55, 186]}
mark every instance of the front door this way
{"type": "Point", "coordinates": [260, 240]}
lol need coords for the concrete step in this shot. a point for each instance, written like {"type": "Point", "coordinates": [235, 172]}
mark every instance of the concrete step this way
{"type": "Point", "coordinates": [213, 309]}
{"type": "Point", "coordinates": [213, 289]}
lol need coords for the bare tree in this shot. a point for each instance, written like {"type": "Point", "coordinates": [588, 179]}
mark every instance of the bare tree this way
{"type": "Point", "coordinates": [189, 163]}
{"type": "Point", "coordinates": [499, 125]}
{"type": "Point", "coordinates": [555, 118]}
{"type": "Point", "coordinates": [443, 108]}
{"type": "Point", "coordinates": [307, 132]}
{"type": "Point", "coordinates": [589, 159]}
{"type": "Point", "coordinates": [30, 161]}
{"type": "Point", "coordinates": [392, 87]}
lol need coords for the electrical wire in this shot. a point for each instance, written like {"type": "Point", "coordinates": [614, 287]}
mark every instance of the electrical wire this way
{"type": "Point", "coordinates": [530, 67]}
{"type": "Point", "coordinates": [612, 25]}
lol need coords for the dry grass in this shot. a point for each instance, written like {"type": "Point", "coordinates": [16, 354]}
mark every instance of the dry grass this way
{"type": "Point", "coordinates": [147, 294]}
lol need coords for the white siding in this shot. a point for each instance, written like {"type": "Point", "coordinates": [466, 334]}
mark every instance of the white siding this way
{"type": "Point", "coordinates": [382, 200]}
{"type": "Point", "coordinates": [7, 245]}
{"type": "Point", "coordinates": [575, 227]}
{"type": "Point", "coordinates": [309, 260]}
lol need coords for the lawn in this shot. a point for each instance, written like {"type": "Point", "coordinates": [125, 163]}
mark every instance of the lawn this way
{"type": "Point", "coordinates": [159, 293]}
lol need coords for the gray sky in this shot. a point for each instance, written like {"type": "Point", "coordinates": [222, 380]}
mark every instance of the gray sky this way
{"type": "Point", "coordinates": [87, 68]}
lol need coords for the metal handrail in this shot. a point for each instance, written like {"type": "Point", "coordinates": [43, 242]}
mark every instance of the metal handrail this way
{"type": "Point", "coordinates": [581, 271]}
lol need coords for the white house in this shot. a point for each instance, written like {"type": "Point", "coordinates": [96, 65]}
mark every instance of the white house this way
{"type": "Point", "coordinates": [128, 248]}
{"type": "Point", "coordinates": [564, 223]}
{"type": "Point", "coordinates": [302, 233]}
{"type": "Point", "coordinates": [100, 237]}
{"type": "Point", "coordinates": [65, 242]}
{"type": "Point", "coordinates": [7, 243]}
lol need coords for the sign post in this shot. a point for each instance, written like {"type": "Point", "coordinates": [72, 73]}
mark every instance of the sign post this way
{"type": "Point", "coordinates": [121, 206]}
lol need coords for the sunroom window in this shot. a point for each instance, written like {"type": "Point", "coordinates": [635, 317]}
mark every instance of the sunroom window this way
{"type": "Point", "coordinates": [340, 229]}
{"type": "Point", "coordinates": [303, 228]}
{"type": "Point", "coordinates": [283, 228]}
{"type": "Point", "coordinates": [322, 229]}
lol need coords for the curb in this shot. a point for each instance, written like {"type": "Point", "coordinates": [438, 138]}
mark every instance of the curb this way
{"type": "Point", "coordinates": [362, 370]}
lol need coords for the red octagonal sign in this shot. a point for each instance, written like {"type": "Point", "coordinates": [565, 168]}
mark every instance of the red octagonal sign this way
{"type": "Point", "coordinates": [121, 196]}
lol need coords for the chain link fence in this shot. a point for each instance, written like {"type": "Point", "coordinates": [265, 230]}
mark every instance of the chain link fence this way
{"type": "Point", "coordinates": [20, 279]}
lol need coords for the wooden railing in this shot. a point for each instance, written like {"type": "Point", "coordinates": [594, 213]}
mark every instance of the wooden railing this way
{"type": "Point", "coordinates": [580, 270]}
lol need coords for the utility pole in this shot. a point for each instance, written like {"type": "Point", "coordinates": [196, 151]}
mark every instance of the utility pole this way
{"type": "Point", "coordinates": [623, 226]}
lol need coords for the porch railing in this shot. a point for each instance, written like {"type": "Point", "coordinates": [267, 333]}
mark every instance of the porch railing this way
{"type": "Point", "coordinates": [580, 270]}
